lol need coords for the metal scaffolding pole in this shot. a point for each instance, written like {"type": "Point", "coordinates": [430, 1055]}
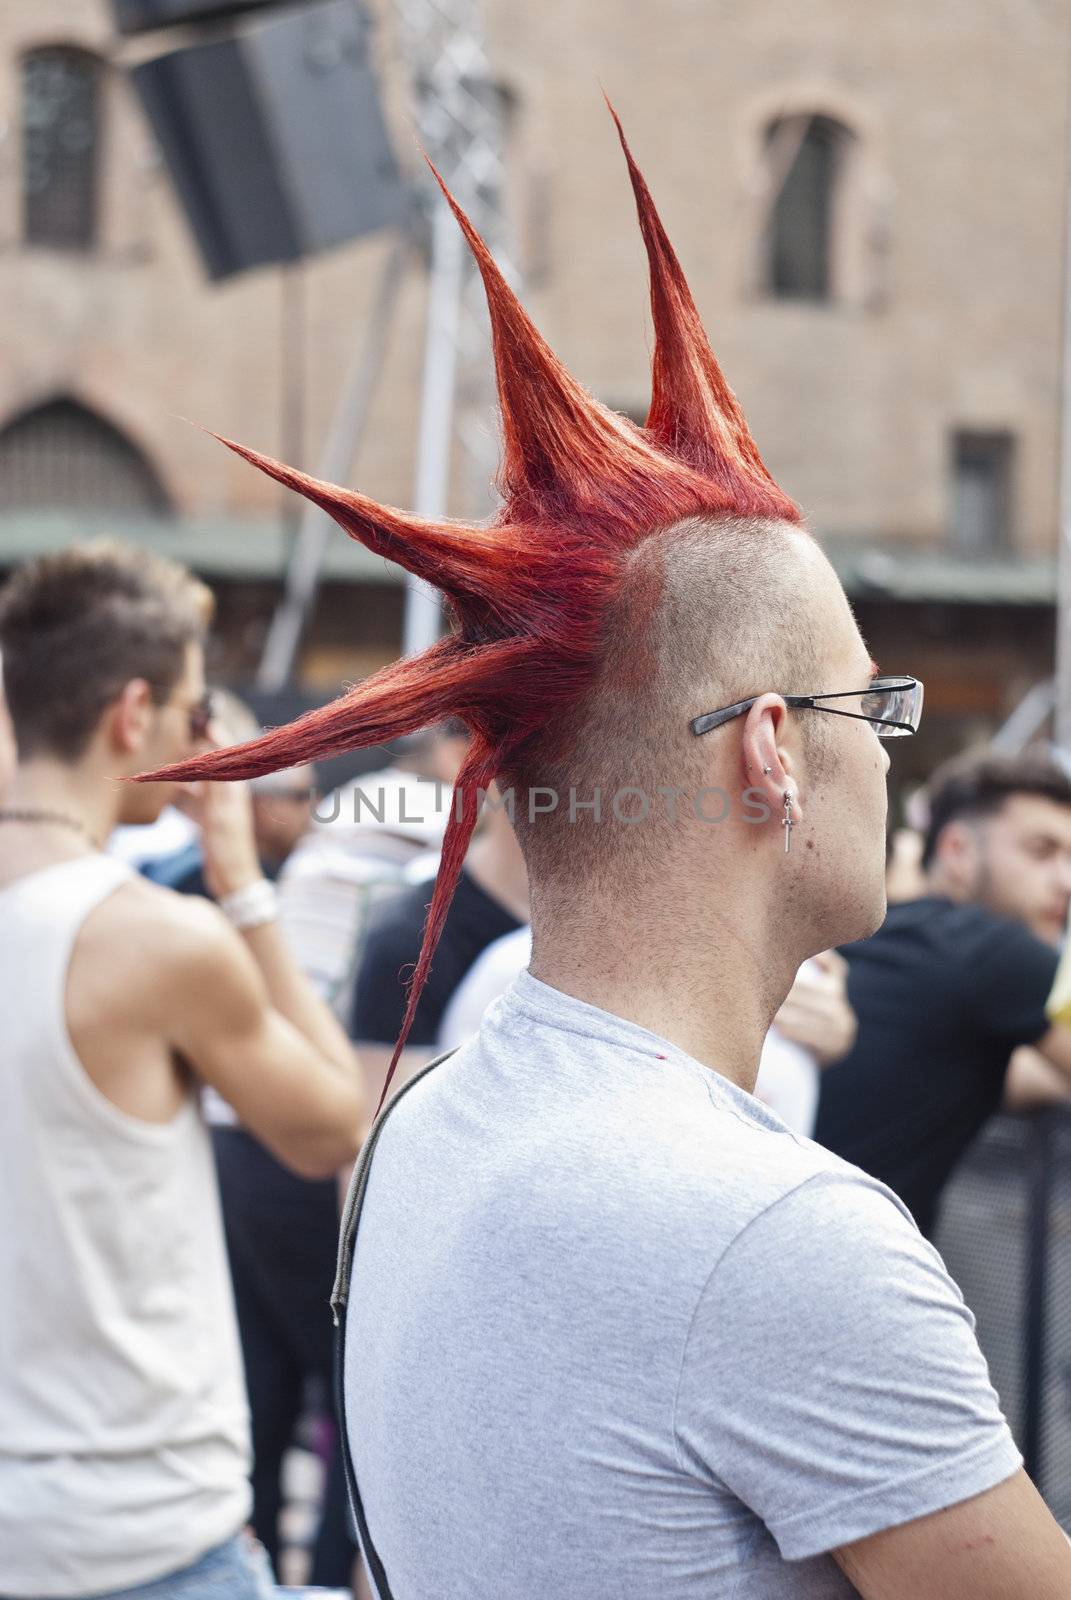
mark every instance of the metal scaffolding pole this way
{"type": "Point", "coordinates": [348, 425]}
{"type": "Point", "coordinates": [1062, 718]}
{"type": "Point", "coordinates": [459, 114]}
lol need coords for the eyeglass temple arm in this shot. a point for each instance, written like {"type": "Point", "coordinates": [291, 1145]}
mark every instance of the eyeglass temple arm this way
{"type": "Point", "coordinates": [715, 719]}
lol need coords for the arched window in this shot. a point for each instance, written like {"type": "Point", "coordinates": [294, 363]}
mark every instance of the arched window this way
{"type": "Point", "coordinates": [60, 138]}
{"type": "Point", "coordinates": [806, 157]}
{"type": "Point", "coordinates": [61, 455]}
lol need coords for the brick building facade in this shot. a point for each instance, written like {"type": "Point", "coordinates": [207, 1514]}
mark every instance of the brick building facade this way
{"type": "Point", "coordinates": [871, 211]}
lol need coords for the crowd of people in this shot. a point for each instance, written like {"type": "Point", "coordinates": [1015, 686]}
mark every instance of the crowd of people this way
{"type": "Point", "coordinates": [612, 1320]}
{"type": "Point", "coordinates": [151, 1036]}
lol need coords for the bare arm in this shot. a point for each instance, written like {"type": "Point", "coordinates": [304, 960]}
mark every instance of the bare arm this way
{"type": "Point", "coordinates": [1056, 1048]}
{"type": "Point", "coordinates": [252, 1025]}
{"type": "Point", "coordinates": [306, 1103]}
{"type": "Point", "coordinates": [1004, 1544]}
{"type": "Point", "coordinates": [1032, 1081]}
{"type": "Point", "coordinates": [375, 1060]}
{"type": "Point", "coordinates": [816, 1013]}
{"type": "Point", "coordinates": [230, 864]}
{"type": "Point", "coordinates": [293, 996]}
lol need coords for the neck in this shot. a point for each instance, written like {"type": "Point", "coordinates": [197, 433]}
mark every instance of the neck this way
{"type": "Point", "coordinates": [706, 977]}
{"type": "Point", "coordinates": [940, 883]}
{"type": "Point", "coordinates": [47, 785]}
{"type": "Point", "coordinates": [495, 862]}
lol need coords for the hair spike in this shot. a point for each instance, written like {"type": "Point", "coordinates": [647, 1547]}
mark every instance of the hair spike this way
{"type": "Point", "coordinates": [418, 545]}
{"type": "Point", "coordinates": [448, 679]}
{"type": "Point", "coordinates": [694, 413]}
{"type": "Point", "coordinates": [559, 444]}
{"type": "Point", "coordinates": [529, 592]}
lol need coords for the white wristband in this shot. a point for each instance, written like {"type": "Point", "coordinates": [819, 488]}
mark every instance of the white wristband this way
{"type": "Point", "coordinates": [252, 906]}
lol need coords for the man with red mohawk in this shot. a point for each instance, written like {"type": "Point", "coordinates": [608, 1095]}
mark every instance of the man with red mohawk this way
{"type": "Point", "coordinates": [612, 1328]}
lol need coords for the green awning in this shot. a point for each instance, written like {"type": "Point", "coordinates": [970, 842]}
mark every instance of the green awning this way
{"type": "Point", "coordinates": [920, 576]}
{"type": "Point", "coordinates": [252, 548]}
{"type": "Point", "coordinates": [256, 548]}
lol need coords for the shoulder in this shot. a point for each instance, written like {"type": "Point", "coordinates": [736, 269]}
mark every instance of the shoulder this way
{"type": "Point", "coordinates": [1002, 963]}
{"type": "Point", "coordinates": [161, 930]}
{"type": "Point", "coordinates": [954, 923]}
{"type": "Point", "coordinates": [739, 1185]}
{"type": "Point", "coordinates": [828, 1213]}
{"type": "Point", "coordinates": [831, 1374]}
{"type": "Point", "coordinates": [496, 967]}
{"type": "Point", "coordinates": [151, 959]}
{"type": "Point", "coordinates": [782, 1183]}
{"type": "Point", "coordinates": [946, 935]}
{"type": "Point", "coordinates": [489, 976]}
{"type": "Point", "coordinates": [834, 1263]}
{"type": "Point", "coordinates": [395, 924]}
{"type": "Point", "coordinates": [978, 925]}
{"type": "Point", "coordinates": [836, 1257]}
{"type": "Point", "coordinates": [400, 908]}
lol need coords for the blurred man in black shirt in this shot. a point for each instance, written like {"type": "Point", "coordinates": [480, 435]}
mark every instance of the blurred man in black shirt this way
{"type": "Point", "coordinates": [955, 981]}
{"type": "Point", "coordinates": [491, 900]}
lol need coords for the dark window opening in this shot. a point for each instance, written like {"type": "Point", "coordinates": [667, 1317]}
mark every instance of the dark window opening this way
{"type": "Point", "coordinates": [981, 492]}
{"type": "Point", "coordinates": [59, 455]}
{"type": "Point", "coordinates": [809, 151]}
{"type": "Point", "coordinates": [60, 135]}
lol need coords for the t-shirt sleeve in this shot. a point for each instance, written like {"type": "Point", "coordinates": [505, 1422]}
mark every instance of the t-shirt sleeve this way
{"type": "Point", "coordinates": [1007, 976]}
{"type": "Point", "coordinates": [832, 1380]}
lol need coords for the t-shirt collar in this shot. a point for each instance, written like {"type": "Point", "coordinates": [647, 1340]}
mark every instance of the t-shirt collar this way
{"type": "Point", "coordinates": [554, 1008]}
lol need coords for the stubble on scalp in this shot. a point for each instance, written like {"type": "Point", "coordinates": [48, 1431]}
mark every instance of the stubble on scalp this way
{"type": "Point", "coordinates": [708, 613]}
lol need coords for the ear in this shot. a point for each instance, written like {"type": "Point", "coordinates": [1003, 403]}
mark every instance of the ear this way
{"type": "Point", "coordinates": [131, 715]}
{"type": "Point", "coordinates": [956, 851]}
{"type": "Point", "coordinates": [767, 760]}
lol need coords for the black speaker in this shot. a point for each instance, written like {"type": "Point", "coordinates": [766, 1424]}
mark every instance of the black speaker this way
{"type": "Point", "coordinates": [141, 16]}
{"type": "Point", "coordinates": [274, 136]}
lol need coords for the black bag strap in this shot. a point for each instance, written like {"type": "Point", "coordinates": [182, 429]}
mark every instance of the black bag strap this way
{"type": "Point", "coordinates": [347, 1243]}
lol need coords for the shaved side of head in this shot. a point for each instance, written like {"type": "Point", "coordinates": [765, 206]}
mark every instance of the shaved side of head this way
{"type": "Point", "coordinates": [709, 613]}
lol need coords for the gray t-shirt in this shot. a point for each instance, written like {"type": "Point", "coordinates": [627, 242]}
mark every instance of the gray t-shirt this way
{"type": "Point", "coordinates": [615, 1330]}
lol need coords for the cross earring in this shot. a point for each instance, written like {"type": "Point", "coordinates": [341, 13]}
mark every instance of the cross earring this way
{"type": "Point", "coordinates": [786, 821]}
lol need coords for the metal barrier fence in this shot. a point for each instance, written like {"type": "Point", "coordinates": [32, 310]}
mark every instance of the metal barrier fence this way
{"type": "Point", "coordinates": [1005, 1235]}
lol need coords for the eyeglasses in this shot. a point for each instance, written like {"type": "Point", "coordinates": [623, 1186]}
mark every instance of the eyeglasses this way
{"type": "Point", "coordinates": [892, 705]}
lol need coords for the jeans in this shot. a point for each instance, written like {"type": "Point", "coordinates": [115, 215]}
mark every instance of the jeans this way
{"type": "Point", "coordinates": [237, 1570]}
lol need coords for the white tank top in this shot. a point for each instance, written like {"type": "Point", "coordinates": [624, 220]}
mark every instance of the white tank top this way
{"type": "Point", "coordinates": [124, 1432]}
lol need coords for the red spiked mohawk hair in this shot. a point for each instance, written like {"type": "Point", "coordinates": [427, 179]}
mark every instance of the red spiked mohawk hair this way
{"type": "Point", "coordinates": [528, 593]}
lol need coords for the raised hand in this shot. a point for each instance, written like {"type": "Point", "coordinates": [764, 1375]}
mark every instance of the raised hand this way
{"type": "Point", "coordinates": [816, 1014]}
